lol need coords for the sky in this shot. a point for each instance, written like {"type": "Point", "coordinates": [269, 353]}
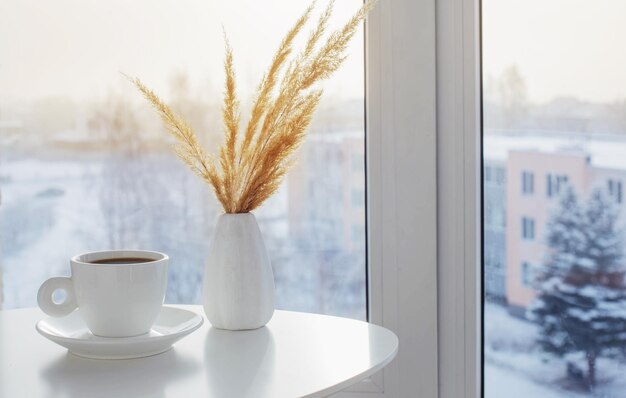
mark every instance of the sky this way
{"type": "Point", "coordinates": [562, 47]}
{"type": "Point", "coordinates": [76, 48]}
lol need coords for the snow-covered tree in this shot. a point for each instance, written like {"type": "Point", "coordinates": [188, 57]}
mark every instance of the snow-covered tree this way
{"type": "Point", "coordinates": [566, 235]}
{"type": "Point", "coordinates": [581, 306]}
{"type": "Point", "coordinates": [605, 239]}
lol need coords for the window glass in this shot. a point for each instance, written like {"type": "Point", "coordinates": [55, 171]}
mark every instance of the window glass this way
{"type": "Point", "coordinates": [527, 274]}
{"type": "Point", "coordinates": [615, 189]}
{"type": "Point", "coordinates": [358, 197]}
{"type": "Point", "coordinates": [528, 183]}
{"type": "Point", "coordinates": [554, 103]}
{"type": "Point", "coordinates": [528, 228]}
{"type": "Point", "coordinates": [554, 184]}
{"type": "Point", "coordinates": [86, 165]}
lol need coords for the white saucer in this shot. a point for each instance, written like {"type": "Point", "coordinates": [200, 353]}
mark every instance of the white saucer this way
{"type": "Point", "coordinates": [71, 332]}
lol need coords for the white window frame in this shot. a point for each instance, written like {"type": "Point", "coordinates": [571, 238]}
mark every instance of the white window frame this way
{"type": "Point", "coordinates": [423, 198]}
{"type": "Point", "coordinates": [459, 163]}
{"type": "Point", "coordinates": [402, 193]}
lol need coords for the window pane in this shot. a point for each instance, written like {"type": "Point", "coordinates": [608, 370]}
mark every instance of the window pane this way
{"type": "Point", "coordinates": [85, 164]}
{"type": "Point", "coordinates": [554, 100]}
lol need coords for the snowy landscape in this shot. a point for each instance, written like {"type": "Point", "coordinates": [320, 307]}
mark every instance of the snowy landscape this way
{"type": "Point", "coordinates": [556, 327]}
{"type": "Point", "coordinates": [53, 208]}
{"type": "Point", "coordinates": [515, 366]}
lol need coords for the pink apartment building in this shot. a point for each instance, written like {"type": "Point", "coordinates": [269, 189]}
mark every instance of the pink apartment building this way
{"type": "Point", "coordinates": [537, 170]}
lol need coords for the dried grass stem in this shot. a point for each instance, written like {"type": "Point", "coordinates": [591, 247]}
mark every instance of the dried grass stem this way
{"type": "Point", "coordinates": [252, 167]}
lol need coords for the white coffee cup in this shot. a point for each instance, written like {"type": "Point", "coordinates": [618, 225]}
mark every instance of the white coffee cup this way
{"type": "Point", "coordinates": [117, 295]}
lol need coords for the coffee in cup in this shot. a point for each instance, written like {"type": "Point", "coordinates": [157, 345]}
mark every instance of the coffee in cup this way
{"type": "Point", "coordinates": [119, 293]}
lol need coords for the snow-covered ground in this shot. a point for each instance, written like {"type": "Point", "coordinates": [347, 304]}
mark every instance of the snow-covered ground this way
{"type": "Point", "coordinates": [516, 367]}
{"type": "Point", "coordinates": [501, 382]}
{"type": "Point", "coordinates": [51, 209]}
{"type": "Point", "coordinates": [42, 220]}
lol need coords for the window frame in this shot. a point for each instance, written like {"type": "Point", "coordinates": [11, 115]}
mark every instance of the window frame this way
{"type": "Point", "coordinates": [423, 121]}
{"type": "Point", "coordinates": [460, 224]}
{"type": "Point", "coordinates": [401, 191]}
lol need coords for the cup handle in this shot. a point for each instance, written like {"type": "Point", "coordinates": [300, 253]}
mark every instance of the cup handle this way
{"type": "Point", "coordinates": [44, 297]}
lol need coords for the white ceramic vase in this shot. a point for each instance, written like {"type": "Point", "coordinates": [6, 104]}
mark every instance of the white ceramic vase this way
{"type": "Point", "coordinates": [238, 288]}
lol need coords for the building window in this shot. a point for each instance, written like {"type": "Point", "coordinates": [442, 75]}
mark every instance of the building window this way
{"type": "Point", "coordinates": [528, 274]}
{"type": "Point", "coordinates": [487, 174]}
{"type": "Point", "coordinates": [615, 189]}
{"type": "Point", "coordinates": [528, 183]}
{"type": "Point", "coordinates": [528, 228]}
{"type": "Point", "coordinates": [555, 184]}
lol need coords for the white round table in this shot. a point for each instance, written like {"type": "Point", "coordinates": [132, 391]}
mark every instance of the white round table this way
{"type": "Point", "coordinates": [295, 355]}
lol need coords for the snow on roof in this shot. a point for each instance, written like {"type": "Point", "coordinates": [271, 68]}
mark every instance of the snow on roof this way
{"type": "Point", "coordinates": [606, 151]}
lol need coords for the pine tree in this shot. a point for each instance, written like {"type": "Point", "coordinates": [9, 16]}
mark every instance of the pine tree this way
{"type": "Point", "coordinates": [581, 306]}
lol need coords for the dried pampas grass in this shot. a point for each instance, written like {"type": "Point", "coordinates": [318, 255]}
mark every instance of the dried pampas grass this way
{"type": "Point", "coordinates": [252, 166]}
